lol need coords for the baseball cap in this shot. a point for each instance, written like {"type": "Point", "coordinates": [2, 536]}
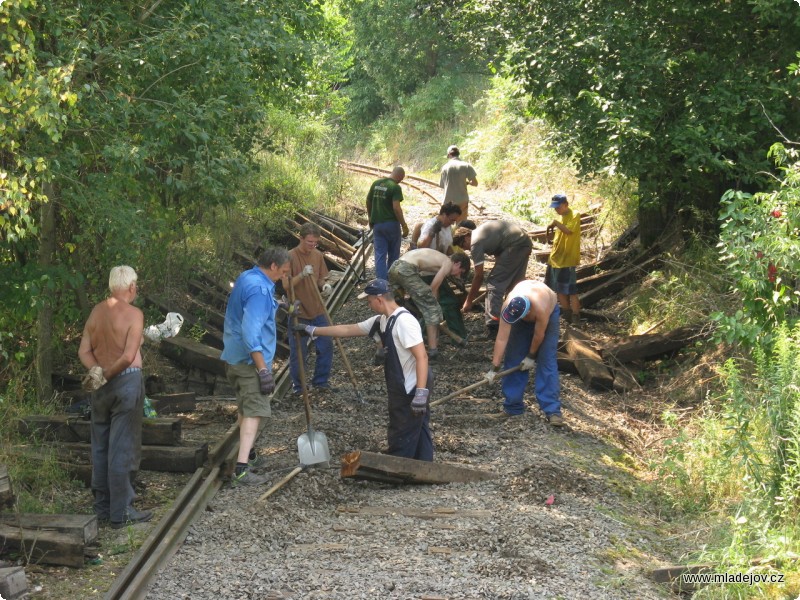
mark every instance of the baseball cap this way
{"type": "Point", "coordinates": [558, 200]}
{"type": "Point", "coordinates": [376, 287]}
{"type": "Point", "coordinates": [518, 307]}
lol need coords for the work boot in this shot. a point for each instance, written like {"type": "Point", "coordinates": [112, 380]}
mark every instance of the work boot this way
{"type": "Point", "coordinates": [247, 477]}
{"type": "Point", "coordinates": [132, 517]}
{"type": "Point", "coordinates": [576, 319]}
{"type": "Point", "coordinates": [555, 420]}
{"type": "Point", "coordinates": [566, 315]}
{"type": "Point", "coordinates": [380, 357]}
{"type": "Point", "coordinates": [433, 355]}
{"type": "Point", "coordinates": [491, 331]}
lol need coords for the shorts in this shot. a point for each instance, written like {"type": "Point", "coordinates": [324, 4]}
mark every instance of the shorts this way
{"type": "Point", "coordinates": [563, 281]}
{"type": "Point", "coordinates": [249, 399]}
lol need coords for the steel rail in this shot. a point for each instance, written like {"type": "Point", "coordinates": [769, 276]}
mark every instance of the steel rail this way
{"type": "Point", "coordinates": [170, 532]}
{"type": "Point", "coordinates": [356, 168]}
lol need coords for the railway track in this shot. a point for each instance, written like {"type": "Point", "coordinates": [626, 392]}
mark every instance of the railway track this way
{"type": "Point", "coordinates": [169, 533]}
{"type": "Point", "coordinates": [430, 190]}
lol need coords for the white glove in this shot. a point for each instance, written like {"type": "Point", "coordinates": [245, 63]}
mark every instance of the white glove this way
{"type": "Point", "coordinates": [490, 375]}
{"type": "Point", "coordinates": [94, 379]}
{"type": "Point", "coordinates": [527, 363]}
{"type": "Point", "coordinates": [326, 290]}
{"type": "Point", "coordinates": [308, 271]}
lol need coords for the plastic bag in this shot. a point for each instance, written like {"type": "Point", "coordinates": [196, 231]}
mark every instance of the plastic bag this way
{"type": "Point", "coordinates": [149, 411]}
{"type": "Point", "coordinates": [169, 328]}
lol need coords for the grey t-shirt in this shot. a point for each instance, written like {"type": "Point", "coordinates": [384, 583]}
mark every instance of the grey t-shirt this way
{"type": "Point", "coordinates": [454, 177]}
{"type": "Point", "coordinates": [494, 237]}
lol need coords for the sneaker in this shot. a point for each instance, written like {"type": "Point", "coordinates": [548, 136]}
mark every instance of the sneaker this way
{"type": "Point", "coordinates": [576, 319]}
{"type": "Point", "coordinates": [247, 478]}
{"type": "Point", "coordinates": [133, 516]}
{"type": "Point", "coordinates": [433, 355]}
{"type": "Point", "coordinates": [379, 358]}
{"type": "Point", "coordinates": [555, 420]}
{"type": "Point", "coordinates": [257, 461]}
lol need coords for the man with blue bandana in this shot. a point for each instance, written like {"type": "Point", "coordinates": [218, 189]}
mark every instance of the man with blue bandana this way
{"type": "Point", "coordinates": [528, 337]}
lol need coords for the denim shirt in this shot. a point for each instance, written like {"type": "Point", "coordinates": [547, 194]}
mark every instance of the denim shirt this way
{"type": "Point", "coordinates": [250, 324]}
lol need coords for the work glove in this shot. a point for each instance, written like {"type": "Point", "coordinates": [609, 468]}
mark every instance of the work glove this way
{"type": "Point", "coordinates": [490, 375]}
{"type": "Point", "coordinates": [307, 271]}
{"type": "Point", "coordinates": [404, 229]}
{"type": "Point", "coordinates": [94, 379]}
{"type": "Point", "coordinates": [420, 402]}
{"type": "Point", "coordinates": [306, 329]}
{"type": "Point", "coordinates": [437, 227]}
{"type": "Point", "coordinates": [528, 363]}
{"type": "Point", "coordinates": [326, 290]}
{"type": "Point", "coordinates": [267, 383]}
{"type": "Point", "coordinates": [380, 357]}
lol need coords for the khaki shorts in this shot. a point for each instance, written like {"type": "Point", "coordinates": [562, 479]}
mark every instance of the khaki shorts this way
{"type": "Point", "coordinates": [249, 399]}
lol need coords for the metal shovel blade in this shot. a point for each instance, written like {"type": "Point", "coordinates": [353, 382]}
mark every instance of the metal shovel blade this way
{"type": "Point", "coordinates": [312, 448]}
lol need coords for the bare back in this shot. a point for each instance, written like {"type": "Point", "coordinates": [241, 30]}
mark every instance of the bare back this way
{"type": "Point", "coordinates": [112, 337]}
{"type": "Point", "coordinates": [543, 299]}
{"type": "Point", "coordinates": [427, 260]}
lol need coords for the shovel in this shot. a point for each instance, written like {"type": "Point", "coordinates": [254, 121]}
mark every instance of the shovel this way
{"type": "Point", "coordinates": [312, 446]}
{"type": "Point", "coordinates": [469, 388]}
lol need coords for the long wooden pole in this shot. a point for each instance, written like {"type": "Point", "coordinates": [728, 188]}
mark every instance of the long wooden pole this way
{"type": "Point", "coordinates": [340, 346]}
{"type": "Point", "coordinates": [469, 388]}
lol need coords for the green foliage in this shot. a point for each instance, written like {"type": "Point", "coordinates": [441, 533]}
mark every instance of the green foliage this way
{"type": "Point", "coordinates": [673, 96]}
{"type": "Point", "coordinates": [740, 457]}
{"type": "Point", "coordinates": [759, 247]}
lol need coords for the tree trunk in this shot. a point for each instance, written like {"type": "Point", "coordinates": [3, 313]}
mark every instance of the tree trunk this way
{"type": "Point", "coordinates": [44, 346]}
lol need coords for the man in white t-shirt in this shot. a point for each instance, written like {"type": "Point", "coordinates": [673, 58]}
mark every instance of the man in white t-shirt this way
{"type": "Point", "coordinates": [406, 365]}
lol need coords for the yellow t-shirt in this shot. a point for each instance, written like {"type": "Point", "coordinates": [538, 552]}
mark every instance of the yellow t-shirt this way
{"type": "Point", "coordinates": [566, 251]}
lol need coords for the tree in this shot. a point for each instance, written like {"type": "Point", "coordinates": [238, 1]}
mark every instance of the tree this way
{"type": "Point", "coordinates": [684, 97]}
{"type": "Point", "coordinates": [138, 117]}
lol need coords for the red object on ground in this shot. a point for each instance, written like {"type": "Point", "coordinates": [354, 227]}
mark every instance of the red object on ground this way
{"type": "Point", "coordinates": [776, 213]}
{"type": "Point", "coordinates": [550, 499]}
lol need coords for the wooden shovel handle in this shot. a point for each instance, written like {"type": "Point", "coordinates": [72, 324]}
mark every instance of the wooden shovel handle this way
{"type": "Point", "coordinates": [337, 341]}
{"type": "Point", "coordinates": [279, 485]}
{"type": "Point", "coordinates": [297, 341]}
{"type": "Point", "coordinates": [473, 386]}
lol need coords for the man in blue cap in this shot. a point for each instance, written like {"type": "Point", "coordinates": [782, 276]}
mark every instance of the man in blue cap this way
{"type": "Point", "coordinates": [528, 337]}
{"type": "Point", "coordinates": [409, 380]}
{"type": "Point", "coordinates": [564, 257]}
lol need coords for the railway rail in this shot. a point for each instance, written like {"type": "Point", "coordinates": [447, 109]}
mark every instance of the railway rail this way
{"type": "Point", "coordinates": [423, 186]}
{"type": "Point", "coordinates": [171, 530]}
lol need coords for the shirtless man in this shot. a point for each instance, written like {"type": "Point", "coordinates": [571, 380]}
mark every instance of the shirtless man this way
{"type": "Point", "coordinates": [110, 351]}
{"type": "Point", "coordinates": [528, 336]}
{"type": "Point", "coordinates": [407, 272]}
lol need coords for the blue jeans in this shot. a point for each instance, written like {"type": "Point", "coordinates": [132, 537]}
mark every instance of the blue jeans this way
{"type": "Point", "coordinates": [546, 377]}
{"type": "Point", "coordinates": [386, 239]}
{"type": "Point", "coordinates": [117, 412]}
{"type": "Point", "coordinates": [324, 346]}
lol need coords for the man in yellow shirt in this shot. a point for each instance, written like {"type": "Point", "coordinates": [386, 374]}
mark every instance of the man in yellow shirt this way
{"type": "Point", "coordinates": [564, 257]}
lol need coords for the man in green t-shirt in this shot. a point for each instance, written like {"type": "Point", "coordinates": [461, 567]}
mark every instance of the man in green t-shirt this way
{"type": "Point", "coordinates": [386, 220]}
{"type": "Point", "coordinates": [564, 257]}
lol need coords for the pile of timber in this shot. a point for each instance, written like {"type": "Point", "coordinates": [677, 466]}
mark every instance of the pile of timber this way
{"type": "Point", "coordinates": [162, 444]}
{"type": "Point", "coordinates": [385, 468]}
{"type": "Point", "coordinates": [52, 539]}
{"type": "Point", "coordinates": [606, 366]}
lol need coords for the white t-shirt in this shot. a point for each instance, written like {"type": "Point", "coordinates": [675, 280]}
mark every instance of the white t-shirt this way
{"type": "Point", "coordinates": [440, 242]}
{"type": "Point", "coordinates": [406, 334]}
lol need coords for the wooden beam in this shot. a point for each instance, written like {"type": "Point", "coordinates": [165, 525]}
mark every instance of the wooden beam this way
{"type": "Point", "coordinates": [64, 428]}
{"type": "Point", "coordinates": [13, 584]}
{"type": "Point", "coordinates": [190, 353]}
{"type": "Point", "coordinates": [171, 459]}
{"type": "Point", "coordinates": [47, 547]}
{"type": "Point", "coordinates": [588, 361]}
{"type": "Point", "coordinates": [650, 346]}
{"type": "Point", "coordinates": [6, 491]}
{"type": "Point", "coordinates": [82, 526]}
{"type": "Point", "coordinates": [174, 403]}
{"type": "Point", "coordinates": [394, 469]}
{"type": "Point", "coordinates": [620, 281]}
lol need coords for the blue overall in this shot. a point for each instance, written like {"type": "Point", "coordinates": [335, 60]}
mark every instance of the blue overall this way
{"type": "Point", "coordinates": [117, 412]}
{"type": "Point", "coordinates": [546, 378]}
{"type": "Point", "coordinates": [409, 435]}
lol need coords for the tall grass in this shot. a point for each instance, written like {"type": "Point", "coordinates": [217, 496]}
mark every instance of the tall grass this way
{"type": "Point", "coordinates": [740, 460]}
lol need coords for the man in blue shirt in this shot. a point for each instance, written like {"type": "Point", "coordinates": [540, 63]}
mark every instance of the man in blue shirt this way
{"type": "Point", "coordinates": [250, 337]}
